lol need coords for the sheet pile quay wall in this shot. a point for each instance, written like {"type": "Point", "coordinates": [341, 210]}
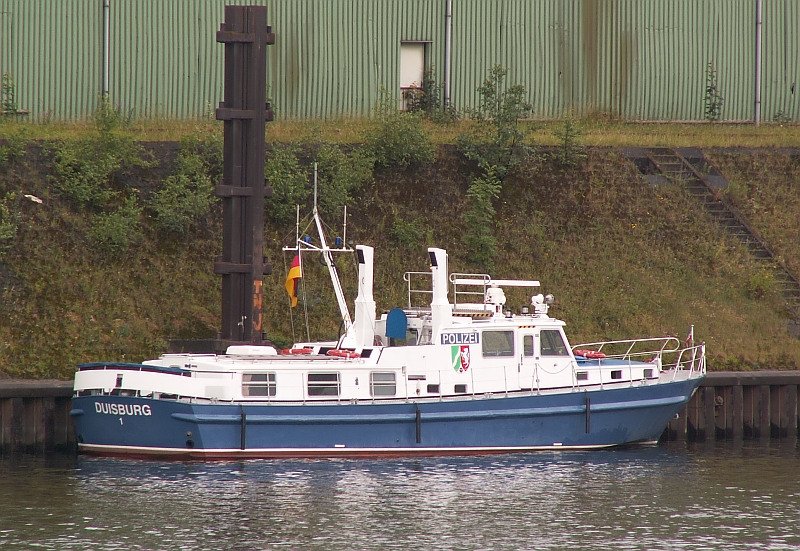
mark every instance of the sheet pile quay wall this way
{"type": "Point", "coordinates": [634, 59]}
{"type": "Point", "coordinates": [762, 405]}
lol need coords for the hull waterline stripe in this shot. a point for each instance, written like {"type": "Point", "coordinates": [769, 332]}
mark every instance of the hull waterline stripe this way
{"type": "Point", "coordinates": [100, 449]}
{"type": "Point", "coordinates": [372, 418]}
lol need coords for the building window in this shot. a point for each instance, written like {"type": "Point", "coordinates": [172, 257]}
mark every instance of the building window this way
{"type": "Point", "coordinates": [258, 384]}
{"type": "Point", "coordinates": [498, 343]}
{"type": "Point", "coordinates": [382, 384]}
{"type": "Point", "coordinates": [323, 384]}
{"type": "Point", "coordinates": [553, 343]}
{"type": "Point", "coordinates": [412, 72]}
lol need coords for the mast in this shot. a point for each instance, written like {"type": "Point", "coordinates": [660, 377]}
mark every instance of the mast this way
{"type": "Point", "coordinates": [327, 256]}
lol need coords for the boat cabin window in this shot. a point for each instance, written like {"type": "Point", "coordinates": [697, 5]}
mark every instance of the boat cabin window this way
{"type": "Point", "coordinates": [323, 384]}
{"type": "Point", "coordinates": [498, 343]}
{"type": "Point", "coordinates": [553, 343]}
{"type": "Point", "coordinates": [527, 344]}
{"type": "Point", "coordinates": [382, 384]}
{"type": "Point", "coordinates": [258, 384]}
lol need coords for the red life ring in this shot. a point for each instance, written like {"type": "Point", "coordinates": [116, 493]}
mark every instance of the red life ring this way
{"type": "Point", "coordinates": [340, 353]}
{"type": "Point", "coordinates": [294, 351]}
{"type": "Point", "coordinates": [590, 354]}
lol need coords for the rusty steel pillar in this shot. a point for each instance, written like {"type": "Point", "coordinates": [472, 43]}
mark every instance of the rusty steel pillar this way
{"type": "Point", "coordinates": [242, 266]}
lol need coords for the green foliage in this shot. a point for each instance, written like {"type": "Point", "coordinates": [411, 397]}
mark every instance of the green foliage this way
{"type": "Point", "coordinates": [186, 195]}
{"type": "Point", "coordinates": [427, 100]}
{"type": "Point", "coordinates": [289, 182]}
{"type": "Point", "coordinates": [570, 153]}
{"type": "Point", "coordinates": [83, 169]}
{"type": "Point", "coordinates": [209, 147]}
{"type": "Point", "coordinates": [479, 218]}
{"type": "Point", "coordinates": [410, 231]}
{"type": "Point", "coordinates": [713, 99]}
{"type": "Point", "coordinates": [496, 137]}
{"type": "Point", "coordinates": [9, 221]}
{"type": "Point", "coordinates": [760, 284]}
{"type": "Point", "coordinates": [13, 148]}
{"type": "Point", "coordinates": [8, 96]}
{"type": "Point", "coordinates": [340, 175]}
{"type": "Point", "coordinates": [400, 141]}
{"type": "Point", "coordinates": [782, 117]}
{"type": "Point", "coordinates": [495, 141]}
{"type": "Point", "coordinates": [115, 232]}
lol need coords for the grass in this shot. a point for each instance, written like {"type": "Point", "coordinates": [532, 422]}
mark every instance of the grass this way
{"type": "Point", "coordinates": [623, 258]}
{"type": "Point", "coordinates": [596, 131]}
{"type": "Point", "coordinates": [766, 189]}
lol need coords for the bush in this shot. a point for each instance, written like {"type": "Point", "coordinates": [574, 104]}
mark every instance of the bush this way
{"type": "Point", "coordinates": [288, 180]}
{"type": "Point", "coordinates": [479, 218]}
{"type": "Point", "coordinates": [340, 175]}
{"type": "Point", "coordinates": [13, 148]}
{"type": "Point", "coordinates": [84, 168]}
{"type": "Point", "coordinates": [185, 196]}
{"type": "Point", "coordinates": [8, 95]}
{"type": "Point", "coordinates": [569, 153]}
{"type": "Point", "coordinates": [410, 232]}
{"type": "Point", "coordinates": [400, 141]}
{"type": "Point", "coordinates": [760, 284]}
{"type": "Point", "coordinates": [496, 137]}
{"type": "Point", "coordinates": [209, 148]}
{"type": "Point", "coordinates": [9, 221]}
{"type": "Point", "coordinates": [713, 99]}
{"type": "Point", "coordinates": [113, 233]}
{"type": "Point", "coordinates": [427, 100]}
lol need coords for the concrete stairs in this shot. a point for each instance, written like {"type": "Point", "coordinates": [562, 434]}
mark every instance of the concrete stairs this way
{"type": "Point", "coordinates": [690, 168]}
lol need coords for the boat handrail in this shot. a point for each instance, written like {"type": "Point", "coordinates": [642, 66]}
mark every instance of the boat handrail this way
{"type": "Point", "coordinates": [696, 359]}
{"type": "Point", "coordinates": [667, 345]}
{"type": "Point", "coordinates": [483, 282]}
{"type": "Point", "coordinates": [412, 292]}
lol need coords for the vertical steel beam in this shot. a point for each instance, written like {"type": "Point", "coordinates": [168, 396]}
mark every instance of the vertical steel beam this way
{"type": "Point", "coordinates": [244, 111]}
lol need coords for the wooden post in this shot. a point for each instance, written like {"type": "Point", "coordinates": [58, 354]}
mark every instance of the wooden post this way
{"type": "Point", "coordinates": [737, 405]}
{"type": "Point", "coordinates": [776, 429]}
{"type": "Point", "coordinates": [762, 411]}
{"type": "Point", "coordinates": [789, 413]}
{"type": "Point", "coordinates": [693, 428]}
{"type": "Point", "coordinates": [245, 34]}
{"type": "Point", "coordinates": [748, 426]}
{"type": "Point", "coordinates": [709, 413]}
{"type": "Point", "coordinates": [726, 417]}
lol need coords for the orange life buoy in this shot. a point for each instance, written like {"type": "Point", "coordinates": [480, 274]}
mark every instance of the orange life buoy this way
{"type": "Point", "coordinates": [590, 354]}
{"type": "Point", "coordinates": [340, 353]}
{"type": "Point", "coordinates": [294, 351]}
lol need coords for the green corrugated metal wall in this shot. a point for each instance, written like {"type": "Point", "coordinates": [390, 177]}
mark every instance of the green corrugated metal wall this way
{"type": "Point", "coordinates": [636, 59]}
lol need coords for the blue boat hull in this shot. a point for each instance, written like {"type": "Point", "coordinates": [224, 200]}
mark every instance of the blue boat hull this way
{"type": "Point", "coordinates": [132, 426]}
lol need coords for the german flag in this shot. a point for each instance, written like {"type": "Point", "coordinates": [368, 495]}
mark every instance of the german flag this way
{"type": "Point", "coordinates": [293, 278]}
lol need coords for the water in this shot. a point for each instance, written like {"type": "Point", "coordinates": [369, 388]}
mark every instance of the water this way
{"type": "Point", "coordinates": [666, 497]}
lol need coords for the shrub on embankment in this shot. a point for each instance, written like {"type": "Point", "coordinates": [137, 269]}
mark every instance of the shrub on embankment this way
{"type": "Point", "coordinates": [622, 258]}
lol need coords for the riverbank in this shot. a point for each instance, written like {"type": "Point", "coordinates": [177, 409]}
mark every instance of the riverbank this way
{"type": "Point", "coordinates": [622, 257]}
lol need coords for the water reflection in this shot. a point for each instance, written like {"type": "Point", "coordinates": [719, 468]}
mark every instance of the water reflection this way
{"type": "Point", "coordinates": [667, 497]}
